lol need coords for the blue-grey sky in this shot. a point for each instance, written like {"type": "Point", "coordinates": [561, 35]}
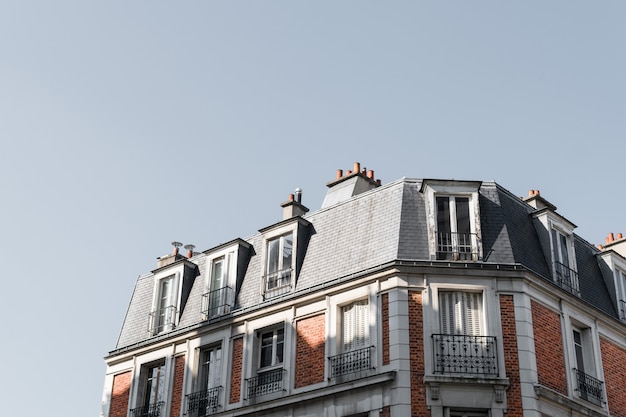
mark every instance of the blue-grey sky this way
{"type": "Point", "coordinates": [125, 125]}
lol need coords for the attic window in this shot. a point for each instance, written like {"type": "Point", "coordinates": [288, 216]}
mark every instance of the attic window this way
{"type": "Point", "coordinates": [454, 220]}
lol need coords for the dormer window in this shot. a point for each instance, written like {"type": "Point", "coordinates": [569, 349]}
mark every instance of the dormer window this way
{"type": "Point", "coordinates": [226, 265]}
{"type": "Point", "coordinates": [164, 312]}
{"type": "Point", "coordinates": [564, 270]}
{"type": "Point", "coordinates": [454, 220]}
{"type": "Point", "coordinates": [279, 262]}
{"type": "Point", "coordinates": [283, 252]}
{"type": "Point", "coordinates": [620, 279]}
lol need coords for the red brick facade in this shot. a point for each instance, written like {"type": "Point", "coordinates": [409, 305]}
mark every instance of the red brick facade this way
{"type": "Point", "coordinates": [237, 368]}
{"type": "Point", "coordinates": [416, 349]}
{"type": "Point", "coordinates": [511, 357]}
{"type": "Point", "coordinates": [177, 389]}
{"type": "Point", "coordinates": [385, 412]}
{"type": "Point", "coordinates": [310, 347]}
{"type": "Point", "coordinates": [549, 348]}
{"type": "Point", "coordinates": [385, 327]}
{"type": "Point", "coordinates": [120, 395]}
{"type": "Point", "coordinates": [614, 361]}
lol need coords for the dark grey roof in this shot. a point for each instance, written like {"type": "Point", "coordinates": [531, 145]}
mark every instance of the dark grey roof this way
{"type": "Point", "coordinates": [379, 226]}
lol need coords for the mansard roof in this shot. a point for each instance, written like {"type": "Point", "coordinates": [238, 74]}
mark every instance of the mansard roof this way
{"type": "Point", "coordinates": [380, 226]}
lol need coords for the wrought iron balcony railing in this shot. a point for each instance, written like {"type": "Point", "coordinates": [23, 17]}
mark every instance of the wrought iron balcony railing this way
{"type": "Point", "coordinates": [150, 410]}
{"type": "Point", "coordinates": [203, 403]}
{"type": "Point", "coordinates": [277, 283]}
{"type": "Point", "coordinates": [351, 362]}
{"type": "Point", "coordinates": [217, 302]}
{"type": "Point", "coordinates": [567, 278]}
{"type": "Point", "coordinates": [162, 320]}
{"type": "Point", "coordinates": [622, 310]}
{"type": "Point", "coordinates": [265, 383]}
{"type": "Point", "coordinates": [457, 246]}
{"type": "Point", "coordinates": [589, 388]}
{"type": "Point", "coordinates": [465, 354]}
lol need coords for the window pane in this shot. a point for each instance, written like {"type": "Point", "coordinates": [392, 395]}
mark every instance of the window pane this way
{"type": "Point", "coordinates": [273, 248]}
{"type": "Point", "coordinates": [280, 343]}
{"type": "Point", "coordinates": [462, 215]}
{"type": "Point", "coordinates": [287, 251]}
{"type": "Point", "coordinates": [443, 215]}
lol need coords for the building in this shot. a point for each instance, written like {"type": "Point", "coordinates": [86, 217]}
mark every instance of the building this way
{"type": "Point", "coordinates": [420, 297]}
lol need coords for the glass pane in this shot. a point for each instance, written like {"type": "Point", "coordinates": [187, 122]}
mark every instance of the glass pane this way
{"type": "Point", "coordinates": [443, 215]}
{"type": "Point", "coordinates": [267, 340]}
{"type": "Point", "coordinates": [287, 251]}
{"type": "Point", "coordinates": [280, 343]}
{"type": "Point", "coordinates": [273, 247]}
{"type": "Point", "coordinates": [462, 215]}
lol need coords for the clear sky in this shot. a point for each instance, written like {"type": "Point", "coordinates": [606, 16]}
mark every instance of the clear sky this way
{"type": "Point", "coordinates": [125, 125]}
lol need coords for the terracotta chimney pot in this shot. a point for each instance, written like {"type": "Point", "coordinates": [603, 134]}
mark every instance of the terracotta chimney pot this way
{"type": "Point", "coordinates": [619, 236]}
{"type": "Point", "coordinates": [357, 167]}
{"type": "Point", "coordinates": [339, 173]}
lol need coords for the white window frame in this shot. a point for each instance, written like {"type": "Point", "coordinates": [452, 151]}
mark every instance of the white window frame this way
{"type": "Point", "coordinates": [224, 298]}
{"type": "Point", "coordinates": [355, 316]}
{"type": "Point", "coordinates": [170, 311]}
{"type": "Point", "coordinates": [578, 321]}
{"type": "Point", "coordinates": [277, 333]}
{"type": "Point", "coordinates": [453, 190]}
{"type": "Point", "coordinates": [464, 300]}
{"type": "Point", "coordinates": [143, 399]}
{"type": "Point", "coordinates": [285, 284]}
{"type": "Point", "coordinates": [566, 257]}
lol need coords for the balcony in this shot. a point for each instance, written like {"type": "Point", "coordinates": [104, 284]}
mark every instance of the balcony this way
{"type": "Point", "coordinates": [217, 302]}
{"type": "Point", "coordinates": [456, 246]}
{"type": "Point", "coordinates": [203, 403]}
{"type": "Point", "coordinates": [162, 320]}
{"type": "Point", "coordinates": [465, 354]}
{"type": "Point", "coordinates": [589, 388]}
{"type": "Point", "coordinates": [265, 383]}
{"type": "Point", "coordinates": [351, 362]}
{"type": "Point", "coordinates": [277, 283]}
{"type": "Point", "coordinates": [566, 278]}
{"type": "Point", "coordinates": [150, 410]}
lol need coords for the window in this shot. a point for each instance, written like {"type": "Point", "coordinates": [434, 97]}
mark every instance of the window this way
{"type": "Point", "coordinates": [279, 267]}
{"type": "Point", "coordinates": [205, 400]}
{"type": "Point", "coordinates": [218, 300]}
{"type": "Point", "coordinates": [462, 347]}
{"type": "Point", "coordinates": [355, 326]}
{"type": "Point", "coordinates": [453, 215]}
{"type": "Point", "coordinates": [356, 349]}
{"type": "Point", "coordinates": [454, 232]}
{"type": "Point", "coordinates": [565, 276]}
{"type": "Point", "coordinates": [460, 312]}
{"type": "Point", "coordinates": [153, 386]}
{"type": "Point", "coordinates": [163, 318]}
{"type": "Point", "coordinates": [587, 386]}
{"type": "Point", "coordinates": [269, 376]}
{"type": "Point", "coordinates": [272, 344]}
{"type": "Point", "coordinates": [620, 278]}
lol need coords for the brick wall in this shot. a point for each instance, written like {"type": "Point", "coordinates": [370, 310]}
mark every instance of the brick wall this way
{"type": "Point", "coordinates": [614, 364]}
{"type": "Point", "coordinates": [385, 327]}
{"type": "Point", "coordinates": [549, 348]}
{"type": "Point", "coordinates": [385, 412]}
{"type": "Point", "coordinates": [177, 388]}
{"type": "Point", "coordinates": [236, 364]}
{"type": "Point", "coordinates": [120, 395]}
{"type": "Point", "coordinates": [416, 351]}
{"type": "Point", "coordinates": [310, 347]}
{"type": "Point", "coordinates": [511, 358]}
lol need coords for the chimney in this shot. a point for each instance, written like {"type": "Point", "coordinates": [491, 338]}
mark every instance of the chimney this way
{"type": "Point", "coordinates": [616, 243]}
{"type": "Point", "coordinates": [172, 257]}
{"type": "Point", "coordinates": [190, 249]}
{"type": "Point", "coordinates": [537, 201]}
{"type": "Point", "coordinates": [293, 206]}
{"type": "Point", "coordinates": [347, 185]}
